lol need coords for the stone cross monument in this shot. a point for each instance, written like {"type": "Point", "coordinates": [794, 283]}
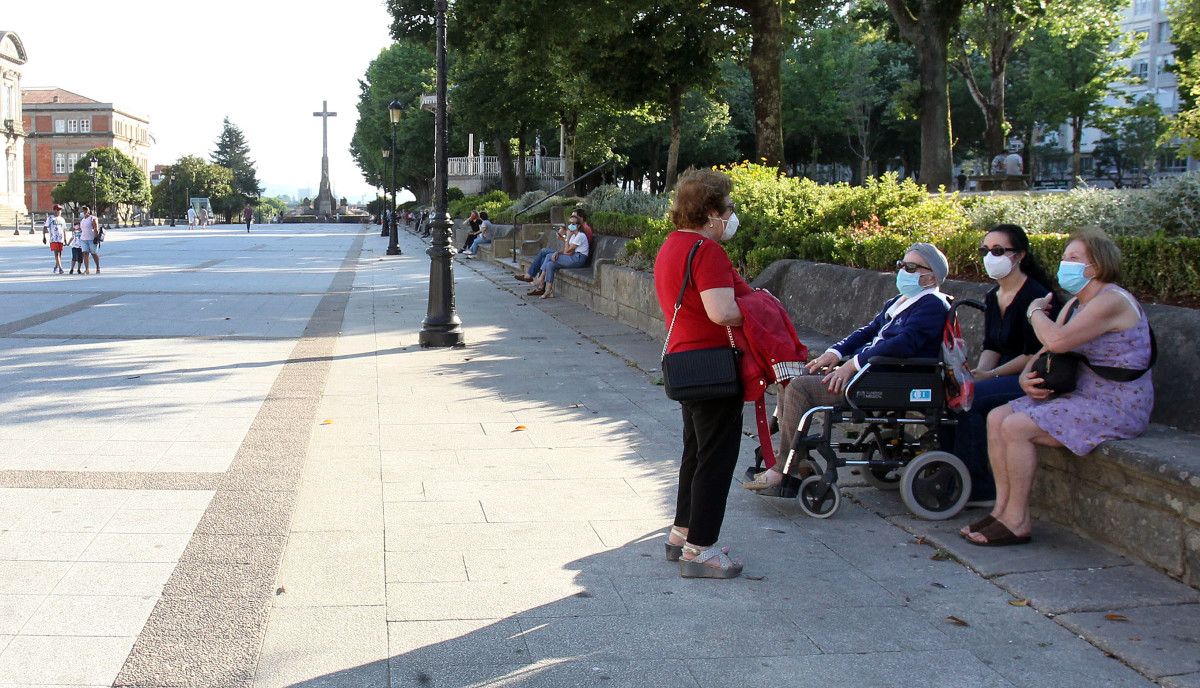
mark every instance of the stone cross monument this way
{"type": "Point", "coordinates": [325, 203]}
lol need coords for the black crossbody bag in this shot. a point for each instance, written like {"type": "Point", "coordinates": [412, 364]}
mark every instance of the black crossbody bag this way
{"type": "Point", "coordinates": [1060, 371]}
{"type": "Point", "coordinates": [700, 374]}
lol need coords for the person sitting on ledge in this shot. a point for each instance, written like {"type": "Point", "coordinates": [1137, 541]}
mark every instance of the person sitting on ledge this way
{"type": "Point", "coordinates": [574, 254]}
{"type": "Point", "coordinates": [909, 326]}
{"type": "Point", "coordinates": [1108, 326]}
{"type": "Point", "coordinates": [484, 236]}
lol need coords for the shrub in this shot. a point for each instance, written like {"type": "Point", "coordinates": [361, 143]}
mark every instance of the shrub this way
{"type": "Point", "coordinates": [612, 199]}
{"type": "Point", "coordinates": [462, 207]}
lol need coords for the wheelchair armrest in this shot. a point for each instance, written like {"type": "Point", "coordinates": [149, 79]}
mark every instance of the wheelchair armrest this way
{"type": "Point", "coordinates": [907, 362]}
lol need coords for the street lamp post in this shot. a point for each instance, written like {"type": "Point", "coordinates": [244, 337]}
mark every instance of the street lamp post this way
{"type": "Point", "coordinates": [92, 166]}
{"type": "Point", "coordinates": [442, 326]}
{"type": "Point", "coordinates": [384, 231]}
{"type": "Point", "coordinates": [395, 108]}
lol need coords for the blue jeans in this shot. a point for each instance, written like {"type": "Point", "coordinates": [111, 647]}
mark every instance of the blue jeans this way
{"type": "Point", "coordinates": [536, 266]}
{"type": "Point", "coordinates": [573, 260]}
{"type": "Point", "coordinates": [968, 441]}
{"type": "Point", "coordinates": [479, 241]}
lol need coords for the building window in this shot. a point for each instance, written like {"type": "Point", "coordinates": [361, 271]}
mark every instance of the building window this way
{"type": "Point", "coordinates": [1163, 64]}
{"type": "Point", "coordinates": [85, 125]}
{"type": "Point", "coordinates": [72, 126]}
{"type": "Point", "coordinates": [1141, 7]}
{"type": "Point", "coordinates": [60, 163]}
{"type": "Point", "coordinates": [60, 126]}
{"type": "Point", "coordinates": [72, 160]}
{"type": "Point", "coordinates": [1141, 68]}
{"type": "Point", "coordinates": [1163, 32]}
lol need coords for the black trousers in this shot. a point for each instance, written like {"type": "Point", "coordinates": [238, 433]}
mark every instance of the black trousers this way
{"type": "Point", "coordinates": [712, 436]}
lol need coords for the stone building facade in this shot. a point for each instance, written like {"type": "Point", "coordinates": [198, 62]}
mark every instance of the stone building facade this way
{"type": "Point", "coordinates": [12, 145]}
{"type": "Point", "coordinates": [62, 127]}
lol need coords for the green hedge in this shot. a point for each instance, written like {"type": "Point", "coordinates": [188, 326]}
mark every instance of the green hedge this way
{"type": "Point", "coordinates": [869, 227]}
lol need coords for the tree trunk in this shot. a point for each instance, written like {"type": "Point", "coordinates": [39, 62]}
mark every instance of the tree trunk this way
{"type": "Point", "coordinates": [993, 114]}
{"type": "Point", "coordinates": [674, 102]}
{"type": "Point", "coordinates": [935, 115]}
{"type": "Point", "coordinates": [508, 177]}
{"type": "Point", "coordinates": [766, 60]}
{"type": "Point", "coordinates": [521, 181]}
{"type": "Point", "coordinates": [570, 124]}
{"type": "Point", "coordinates": [1076, 153]}
{"type": "Point", "coordinates": [928, 30]}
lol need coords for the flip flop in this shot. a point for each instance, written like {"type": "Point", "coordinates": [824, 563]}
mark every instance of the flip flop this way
{"type": "Point", "coordinates": [697, 568]}
{"type": "Point", "coordinates": [998, 535]}
{"type": "Point", "coordinates": [979, 525]}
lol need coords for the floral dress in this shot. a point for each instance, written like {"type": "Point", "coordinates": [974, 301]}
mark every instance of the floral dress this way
{"type": "Point", "coordinates": [1101, 409]}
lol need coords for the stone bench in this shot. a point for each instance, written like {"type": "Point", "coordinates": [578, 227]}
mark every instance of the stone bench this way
{"type": "Point", "coordinates": [1140, 496]}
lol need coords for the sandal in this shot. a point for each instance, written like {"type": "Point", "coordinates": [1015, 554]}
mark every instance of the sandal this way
{"type": "Point", "coordinates": [761, 483]}
{"type": "Point", "coordinates": [977, 526]}
{"type": "Point", "coordinates": [535, 292]}
{"type": "Point", "coordinates": [674, 552]}
{"type": "Point", "coordinates": [523, 278]}
{"type": "Point", "coordinates": [998, 535]}
{"type": "Point", "coordinates": [698, 567]}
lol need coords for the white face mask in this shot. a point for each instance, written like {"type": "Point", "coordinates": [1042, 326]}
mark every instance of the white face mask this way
{"type": "Point", "coordinates": [997, 267]}
{"type": "Point", "coordinates": [731, 227]}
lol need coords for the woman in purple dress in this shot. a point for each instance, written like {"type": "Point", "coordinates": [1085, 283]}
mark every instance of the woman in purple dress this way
{"type": "Point", "coordinates": [1110, 329]}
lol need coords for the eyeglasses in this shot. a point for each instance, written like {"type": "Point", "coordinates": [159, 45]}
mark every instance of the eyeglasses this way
{"type": "Point", "coordinates": [911, 267]}
{"type": "Point", "coordinates": [731, 207]}
{"type": "Point", "coordinates": [995, 250]}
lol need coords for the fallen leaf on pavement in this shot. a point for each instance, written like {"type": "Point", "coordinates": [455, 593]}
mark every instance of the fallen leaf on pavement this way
{"type": "Point", "coordinates": [956, 621]}
{"type": "Point", "coordinates": [519, 428]}
{"type": "Point", "coordinates": [1019, 603]}
{"type": "Point", "coordinates": [938, 585]}
{"type": "Point", "coordinates": [1116, 617]}
{"type": "Point", "coordinates": [327, 422]}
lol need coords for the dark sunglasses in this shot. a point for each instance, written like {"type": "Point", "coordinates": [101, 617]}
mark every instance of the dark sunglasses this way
{"type": "Point", "coordinates": [995, 250]}
{"type": "Point", "coordinates": [911, 267]}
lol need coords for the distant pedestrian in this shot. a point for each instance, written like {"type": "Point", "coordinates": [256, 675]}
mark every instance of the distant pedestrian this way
{"type": "Point", "coordinates": [247, 216]}
{"type": "Point", "coordinates": [55, 229]}
{"type": "Point", "coordinates": [1013, 164]}
{"type": "Point", "coordinates": [473, 224]}
{"type": "Point", "coordinates": [192, 215]}
{"type": "Point", "coordinates": [203, 216]}
{"type": "Point", "coordinates": [89, 234]}
{"type": "Point", "coordinates": [962, 181]}
{"type": "Point", "coordinates": [76, 251]}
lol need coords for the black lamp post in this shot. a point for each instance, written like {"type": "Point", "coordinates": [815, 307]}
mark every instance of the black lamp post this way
{"type": "Point", "coordinates": [383, 231]}
{"type": "Point", "coordinates": [92, 167]}
{"type": "Point", "coordinates": [442, 326]}
{"type": "Point", "coordinates": [395, 108]}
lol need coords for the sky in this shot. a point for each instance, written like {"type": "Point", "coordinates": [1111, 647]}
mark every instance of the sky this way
{"type": "Point", "coordinates": [266, 64]}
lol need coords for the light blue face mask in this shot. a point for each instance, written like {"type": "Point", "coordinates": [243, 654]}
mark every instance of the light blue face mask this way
{"type": "Point", "coordinates": [1070, 276]}
{"type": "Point", "coordinates": [573, 228]}
{"type": "Point", "coordinates": [908, 283]}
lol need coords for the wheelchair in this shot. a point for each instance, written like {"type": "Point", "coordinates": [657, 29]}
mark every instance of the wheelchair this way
{"type": "Point", "coordinates": [896, 409]}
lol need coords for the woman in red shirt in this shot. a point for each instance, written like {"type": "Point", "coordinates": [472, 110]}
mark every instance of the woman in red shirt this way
{"type": "Point", "coordinates": [712, 429]}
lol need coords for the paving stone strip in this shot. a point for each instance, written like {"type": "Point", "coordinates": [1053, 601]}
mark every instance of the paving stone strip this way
{"type": "Point", "coordinates": [62, 312]}
{"type": "Point", "coordinates": [207, 627]}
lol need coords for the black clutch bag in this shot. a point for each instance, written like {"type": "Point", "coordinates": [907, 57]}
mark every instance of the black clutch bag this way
{"type": "Point", "coordinates": [700, 374]}
{"type": "Point", "coordinates": [1059, 371]}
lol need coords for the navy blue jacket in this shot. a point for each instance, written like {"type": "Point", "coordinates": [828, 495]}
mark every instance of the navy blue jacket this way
{"type": "Point", "coordinates": [916, 332]}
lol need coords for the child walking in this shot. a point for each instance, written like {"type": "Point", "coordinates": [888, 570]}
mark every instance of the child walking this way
{"type": "Point", "coordinates": [76, 250]}
{"type": "Point", "coordinates": [56, 232]}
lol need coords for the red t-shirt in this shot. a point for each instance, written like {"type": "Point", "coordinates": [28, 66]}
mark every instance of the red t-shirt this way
{"type": "Point", "coordinates": [711, 269]}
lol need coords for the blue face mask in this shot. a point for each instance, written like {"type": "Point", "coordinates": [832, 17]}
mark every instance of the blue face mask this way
{"type": "Point", "coordinates": [573, 227]}
{"type": "Point", "coordinates": [1070, 276]}
{"type": "Point", "coordinates": [908, 283]}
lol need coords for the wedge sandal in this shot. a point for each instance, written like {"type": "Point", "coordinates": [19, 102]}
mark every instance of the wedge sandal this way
{"type": "Point", "coordinates": [674, 552]}
{"type": "Point", "coordinates": [698, 568]}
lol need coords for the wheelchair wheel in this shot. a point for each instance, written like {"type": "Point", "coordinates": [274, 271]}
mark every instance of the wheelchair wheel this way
{"type": "Point", "coordinates": [818, 498]}
{"type": "Point", "coordinates": [935, 485]}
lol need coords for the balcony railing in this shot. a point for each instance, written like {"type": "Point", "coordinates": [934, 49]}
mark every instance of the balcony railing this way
{"type": "Point", "coordinates": [489, 166]}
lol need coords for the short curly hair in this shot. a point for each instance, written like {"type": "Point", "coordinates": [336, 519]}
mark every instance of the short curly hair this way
{"type": "Point", "coordinates": [698, 194]}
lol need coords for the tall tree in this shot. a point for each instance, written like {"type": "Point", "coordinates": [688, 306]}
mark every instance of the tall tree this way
{"type": "Point", "coordinates": [927, 25]}
{"type": "Point", "coordinates": [233, 153]}
{"type": "Point", "coordinates": [1185, 33]}
{"type": "Point", "coordinates": [990, 31]}
{"type": "Point", "coordinates": [191, 177]}
{"type": "Point", "coordinates": [1131, 142]}
{"type": "Point", "coordinates": [118, 184]}
{"type": "Point", "coordinates": [1077, 56]}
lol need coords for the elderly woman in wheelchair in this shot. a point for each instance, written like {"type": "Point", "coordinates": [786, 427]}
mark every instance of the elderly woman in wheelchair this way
{"type": "Point", "coordinates": [877, 378]}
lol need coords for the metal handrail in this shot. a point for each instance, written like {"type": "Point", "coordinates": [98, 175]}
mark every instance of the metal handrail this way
{"type": "Point", "coordinates": [550, 195]}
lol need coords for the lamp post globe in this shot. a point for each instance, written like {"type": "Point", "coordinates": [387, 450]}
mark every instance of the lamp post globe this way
{"type": "Point", "coordinates": [395, 109]}
{"type": "Point", "coordinates": [386, 152]}
{"type": "Point", "coordinates": [442, 326]}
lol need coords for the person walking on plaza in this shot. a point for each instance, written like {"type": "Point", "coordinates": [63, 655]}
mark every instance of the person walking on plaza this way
{"type": "Point", "coordinates": [89, 233]}
{"type": "Point", "coordinates": [247, 216]}
{"type": "Point", "coordinates": [703, 215]}
{"type": "Point", "coordinates": [203, 216]}
{"type": "Point", "coordinates": [191, 217]}
{"type": "Point", "coordinates": [55, 229]}
{"type": "Point", "coordinates": [76, 251]}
